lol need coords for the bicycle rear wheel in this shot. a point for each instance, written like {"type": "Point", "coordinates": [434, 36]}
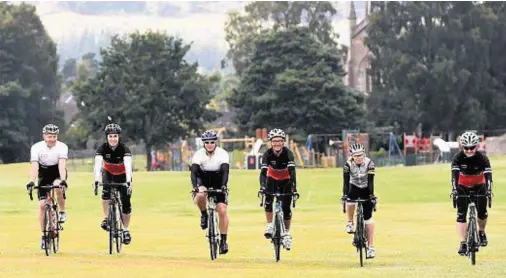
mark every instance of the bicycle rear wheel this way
{"type": "Point", "coordinates": [213, 244]}
{"type": "Point", "coordinates": [276, 239]}
{"type": "Point", "coordinates": [47, 230]}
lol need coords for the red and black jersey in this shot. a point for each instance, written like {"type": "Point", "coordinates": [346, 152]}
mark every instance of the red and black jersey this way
{"type": "Point", "coordinates": [471, 171]}
{"type": "Point", "coordinates": [278, 166]}
{"type": "Point", "coordinates": [113, 158]}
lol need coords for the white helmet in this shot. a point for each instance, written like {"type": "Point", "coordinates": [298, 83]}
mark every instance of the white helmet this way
{"type": "Point", "coordinates": [357, 148]}
{"type": "Point", "coordinates": [276, 133]}
{"type": "Point", "coordinates": [469, 139]}
{"type": "Point", "coordinates": [50, 129]}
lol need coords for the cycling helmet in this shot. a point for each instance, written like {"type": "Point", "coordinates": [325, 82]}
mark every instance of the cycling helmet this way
{"type": "Point", "coordinates": [50, 129]}
{"type": "Point", "coordinates": [357, 148]}
{"type": "Point", "coordinates": [276, 133]}
{"type": "Point", "coordinates": [469, 139]}
{"type": "Point", "coordinates": [112, 129]}
{"type": "Point", "coordinates": [209, 135]}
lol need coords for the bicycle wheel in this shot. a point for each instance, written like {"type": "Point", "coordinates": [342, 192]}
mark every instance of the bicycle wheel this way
{"type": "Point", "coordinates": [360, 244]}
{"type": "Point", "coordinates": [119, 234]}
{"type": "Point", "coordinates": [213, 244]}
{"type": "Point", "coordinates": [112, 228]}
{"type": "Point", "coordinates": [47, 229]}
{"type": "Point", "coordinates": [55, 231]}
{"type": "Point", "coordinates": [276, 239]}
{"type": "Point", "coordinates": [471, 240]}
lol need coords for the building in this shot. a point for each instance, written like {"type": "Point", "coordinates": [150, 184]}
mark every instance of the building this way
{"type": "Point", "coordinates": [358, 54]}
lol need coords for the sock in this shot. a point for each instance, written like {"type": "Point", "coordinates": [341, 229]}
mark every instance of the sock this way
{"type": "Point", "coordinates": [223, 237]}
{"type": "Point", "coordinates": [125, 229]}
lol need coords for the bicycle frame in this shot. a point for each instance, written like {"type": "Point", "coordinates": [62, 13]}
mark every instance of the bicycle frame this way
{"type": "Point", "coordinates": [472, 238]}
{"type": "Point", "coordinates": [278, 222]}
{"type": "Point", "coordinates": [360, 237]}
{"type": "Point", "coordinates": [51, 214]}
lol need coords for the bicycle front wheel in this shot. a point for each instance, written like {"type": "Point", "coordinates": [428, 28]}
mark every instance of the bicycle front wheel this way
{"type": "Point", "coordinates": [359, 240]}
{"type": "Point", "coordinates": [112, 228]}
{"type": "Point", "coordinates": [119, 234]}
{"type": "Point", "coordinates": [213, 243]}
{"type": "Point", "coordinates": [47, 230]}
{"type": "Point", "coordinates": [276, 239]}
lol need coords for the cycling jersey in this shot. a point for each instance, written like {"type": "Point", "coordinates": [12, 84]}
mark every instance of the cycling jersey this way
{"type": "Point", "coordinates": [358, 175]}
{"type": "Point", "coordinates": [278, 166]}
{"type": "Point", "coordinates": [115, 161]}
{"type": "Point", "coordinates": [48, 158]}
{"type": "Point", "coordinates": [211, 170]}
{"type": "Point", "coordinates": [471, 171]}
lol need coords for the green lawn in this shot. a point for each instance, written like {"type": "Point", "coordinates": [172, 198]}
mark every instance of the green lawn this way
{"type": "Point", "coordinates": [416, 234]}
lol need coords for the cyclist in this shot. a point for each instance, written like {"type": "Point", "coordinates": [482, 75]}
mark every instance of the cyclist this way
{"type": "Point", "coordinates": [49, 164]}
{"type": "Point", "coordinates": [278, 173]}
{"type": "Point", "coordinates": [471, 170]}
{"type": "Point", "coordinates": [209, 169]}
{"type": "Point", "coordinates": [358, 183]}
{"type": "Point", "coordinates": [115, 159]}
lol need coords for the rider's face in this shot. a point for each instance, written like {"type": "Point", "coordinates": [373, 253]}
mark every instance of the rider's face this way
{"type": "Point", "coordinates": [112, 139]}
{"type": "Point", "coordinates": [358, 158]}
{"type": "Point", "coordinates": [469, 151]}
{"type": "Point", "coordinates": [50, 139]}
{"type": "Point", "coordinates": [277, 143]}
{"type": "Point", "coordinates": [210, 145]}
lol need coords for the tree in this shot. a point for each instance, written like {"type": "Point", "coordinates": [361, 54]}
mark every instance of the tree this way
{"type": "Point", "coordinates": [295, 82]}
{"type": "Point", "coordinates": [145, 85]}
{"type": "Point", "coordinates": [431, 65]}
{"type": "Point", "coordinates": [29, 82]}
{"type": "Point", "coordinates": [241, 31]}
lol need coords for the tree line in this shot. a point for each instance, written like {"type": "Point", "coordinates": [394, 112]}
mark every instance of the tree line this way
{"type": "Point", "coordinates": [438, 64]}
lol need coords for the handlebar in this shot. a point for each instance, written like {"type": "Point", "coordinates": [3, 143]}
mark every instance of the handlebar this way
{"type": "Point", "coordinates": [49, 186]}
{"type": "Point", "coordinates": [277, 195]}
{"type": "Point", "coordinates": [360, 200]}
{"type": "Point", "coordinates": [110, 185]}
{"type": "Point", "coordinates": [455, 197]}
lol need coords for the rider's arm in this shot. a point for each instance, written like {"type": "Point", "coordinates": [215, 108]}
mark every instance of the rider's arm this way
{"type": "Point", "coordinates": [99, 158]}
{"type": "Point", "coordinates": [62, 163]}
{"type": "Point", "coordinates": [34, 159]}
{"type": "Point", "coordinates": [263, 171]}
{"type": "Point", "coordinates": [224, 168]}
{"type": "Point", "coordinates": [127, 161]}
{"type": "Point", "coordinates": [194, 168]}
{"type": "Point", "coordinates": [455, 171]}
{"type": "Point", "coordinates": [346, 178]}
{"type": "Point", "coordinates": [370, 177]}
{"type": "Point", "coordinates": [488, 172]}
{"type": "Point", "coordinates": [291, 169]}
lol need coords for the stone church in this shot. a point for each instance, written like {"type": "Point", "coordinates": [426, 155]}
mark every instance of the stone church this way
{"type": "Point", "coordinates": [358, 54]}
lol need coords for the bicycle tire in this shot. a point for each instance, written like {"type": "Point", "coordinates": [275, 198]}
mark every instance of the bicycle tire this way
{"type": "Point", "coordinates": [213, 244]}
{"type": "Point", "coordinates": [56, 233]}
{"type": "Point", "coordinates": [471, 240]}
{"type": "Point", "coordinates": [47, 229]}
{"type": "Point", "coordinates": [360, 237]}
{"type": "Point", "coordinates": [119, 230]}
{"type": "Point", "coordinates": [276, 239]}
{"type": "Point", "coordinates": [112, 228]}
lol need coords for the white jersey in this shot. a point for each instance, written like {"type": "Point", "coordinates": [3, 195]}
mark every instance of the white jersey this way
{"type": "Point", "coordinates": [211, 163]}
{"type": "Point", "coordinates": [46, 156]}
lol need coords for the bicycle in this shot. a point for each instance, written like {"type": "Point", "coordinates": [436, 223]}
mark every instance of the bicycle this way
{"type": "Point", "coordinates": [52, 225]}
{"type": "Point", "coordinates": [360, 234]}
{"type": "Point", "coordinates": [212, 232]}
{"type": "Point", "coordinates": [472, 238]}
{"type": "Point", "coordinates": [114, 219]}
{"type": "Point", "coordinates": [278, 221]}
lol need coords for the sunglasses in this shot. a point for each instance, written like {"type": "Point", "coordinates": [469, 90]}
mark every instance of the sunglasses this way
{"type": "Point", "coordinates": [209, 142]}
{"type": "Point", "coordinates": [469, 148]}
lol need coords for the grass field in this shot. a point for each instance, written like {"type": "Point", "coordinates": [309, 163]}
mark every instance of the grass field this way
{"type": "Point", "coordinates": [415, 229]}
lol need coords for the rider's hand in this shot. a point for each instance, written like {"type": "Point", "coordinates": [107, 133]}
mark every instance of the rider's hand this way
{"type": "Point", "coordinates": [262, 188]}
{"type": "Point", "coordinates": [224, 188]}
{"type": "Point", "coordinates": [130, 188]}
{"type": "Point", "coordinates": [95, 188]}
{"type": "Point", "coordinates": [453, 195]}
{"type": "Point", "coordinates": [373, 199]}
{"type": "Point", "coordinates": [344, 198]}
{"type": "Point", "coordinates": [201, 188]}
{"type": "Point", "coordinates": [29, 186]}
{"type": "Point", "coordinates": [64, 184]}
